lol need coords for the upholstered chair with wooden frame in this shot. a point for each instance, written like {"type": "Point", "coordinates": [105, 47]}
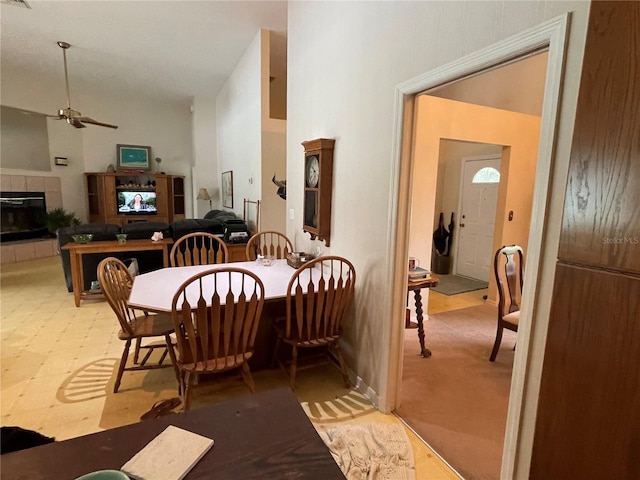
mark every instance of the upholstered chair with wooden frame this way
{"type": "Point", "coordinates": [216, 314]}
{"type": "Point", "coordinates": [508, 269]}
{"type": "Point", "coordinates": [318, 296]}
{"type": "Point", "coordinates": [199, 248]}
{"type": "Point", "coordinates": [116, 282]}
{"type": "Point", "coordinates": [268, 244]}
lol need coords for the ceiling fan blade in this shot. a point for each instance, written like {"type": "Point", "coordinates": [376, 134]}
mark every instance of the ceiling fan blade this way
{"type": "Point", "coordinates": [95, 122]}
{"type": "Point", "coordinates": [76, 122]}
{"type": "Point", "coordinates": [73, 117]}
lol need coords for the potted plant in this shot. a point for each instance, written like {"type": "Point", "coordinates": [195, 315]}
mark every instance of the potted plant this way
{"type": "Point", "coordinates": [58, 218]}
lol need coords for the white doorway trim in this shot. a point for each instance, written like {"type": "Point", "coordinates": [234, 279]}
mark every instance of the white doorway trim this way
{"type": "Point", "coordinates": [553, 36]}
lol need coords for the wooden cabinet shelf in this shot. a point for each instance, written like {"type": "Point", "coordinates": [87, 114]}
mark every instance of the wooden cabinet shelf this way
{"type": "Point", "coordinates": [102, 196]}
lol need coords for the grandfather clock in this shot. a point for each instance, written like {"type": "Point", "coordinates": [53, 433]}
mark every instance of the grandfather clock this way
{"type": "Point", "coordinates": [318, 183]}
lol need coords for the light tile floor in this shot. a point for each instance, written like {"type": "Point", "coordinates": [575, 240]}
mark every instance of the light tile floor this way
{"type": "Point", "coordinates": [58, 365]}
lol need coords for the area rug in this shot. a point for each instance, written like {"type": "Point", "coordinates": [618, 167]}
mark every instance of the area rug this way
{"type": "Point", "coordinates": [455, 284]}
{"type": "Point", "coordinates": [371, 451]}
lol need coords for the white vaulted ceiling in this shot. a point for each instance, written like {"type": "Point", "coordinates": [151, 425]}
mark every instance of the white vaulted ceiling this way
{"type": "Point", "coordinates": [174, 49]}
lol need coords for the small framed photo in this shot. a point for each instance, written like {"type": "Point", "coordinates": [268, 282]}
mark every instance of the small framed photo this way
{"type": "Point", "coordinates": [61, 161]}
{"type": "Point", "coordinates": [134, 156]}
{"type": "Point", "coordinates": [227, 189]}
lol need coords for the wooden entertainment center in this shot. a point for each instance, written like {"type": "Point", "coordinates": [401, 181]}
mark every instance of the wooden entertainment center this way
{"type": "Point", "coordinates": [103, 189]}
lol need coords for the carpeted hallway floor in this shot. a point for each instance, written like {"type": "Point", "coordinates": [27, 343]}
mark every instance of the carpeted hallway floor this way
{"type": "Point", "coordinates": [456, 400]}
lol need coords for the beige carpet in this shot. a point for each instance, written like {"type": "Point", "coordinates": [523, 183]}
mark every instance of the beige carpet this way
{"type": "Point", "coordinates": [456, 400]}
{"type": "Point", "coordinates": [371, 451]}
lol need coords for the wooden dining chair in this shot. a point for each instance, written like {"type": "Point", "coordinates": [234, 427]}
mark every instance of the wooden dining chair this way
{"type": "Point", "coordinates": [116, 282]}
{"type": "Point", "coordinates": [508, 270]}
{"type": "Point", "coordinates": [318, 296]}
{"type": "Point", "coordinates": [268, 244]}
{"type": "Point", "coordinates": [216, 314]}
{"type": "Point", "coordinates": [199, 248]}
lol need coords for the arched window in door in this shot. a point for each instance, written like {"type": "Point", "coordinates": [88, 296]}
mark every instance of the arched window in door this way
{"type": "Point", "coordinates": [486, 175]}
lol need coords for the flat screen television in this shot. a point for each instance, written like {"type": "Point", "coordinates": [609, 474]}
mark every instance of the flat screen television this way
{"type": "Point", "coordinates": [137, 202]}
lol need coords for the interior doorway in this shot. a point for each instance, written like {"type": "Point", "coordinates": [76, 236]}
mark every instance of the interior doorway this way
{"type": "Point", "coordinates": [553, 36]}
{"type": "Point", "coordinates": [481, 432]}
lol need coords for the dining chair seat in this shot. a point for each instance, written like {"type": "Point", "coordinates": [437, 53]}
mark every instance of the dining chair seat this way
{"type": "Point", "coordinates": [302, 338]}
{"type": "Point", "coordinates": [215, 365]}
{"type": "Point", "coordinates": [148, 326]}
{"type": "Point", "coordinates": [513, 318]}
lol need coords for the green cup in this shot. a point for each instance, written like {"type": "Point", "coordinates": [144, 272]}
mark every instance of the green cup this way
{"type": "Point", "coordinates": [122, 237]}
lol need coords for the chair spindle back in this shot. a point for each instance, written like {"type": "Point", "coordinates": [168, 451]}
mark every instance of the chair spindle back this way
{"type": "Point", "coordinates": [329, 284]}
{"type": "Point", "coordinates": [199, 248]}
{"type": "Point", "coordinates": [509, 280]}
{"type": "Point", "coordinates": [268, 244]}
{"type": "Point", "coordinates": [216, 315]}
{"type": "Point", "coordinates": [116, 283]}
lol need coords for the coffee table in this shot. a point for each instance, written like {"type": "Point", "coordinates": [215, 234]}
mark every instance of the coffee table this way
{"type": "Point", "coordinates": [77, 250]}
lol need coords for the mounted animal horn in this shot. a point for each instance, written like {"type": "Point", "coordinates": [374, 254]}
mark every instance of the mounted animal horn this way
{"type": "Point", "coordinates": [282, 187]}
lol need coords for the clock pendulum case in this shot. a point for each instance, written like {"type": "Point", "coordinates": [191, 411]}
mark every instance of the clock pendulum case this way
{"type": "Point", "coordinates": [318, 182]}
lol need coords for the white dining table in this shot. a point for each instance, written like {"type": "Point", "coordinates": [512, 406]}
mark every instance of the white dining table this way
{"type": "Point", "coordinates": [154, 291]}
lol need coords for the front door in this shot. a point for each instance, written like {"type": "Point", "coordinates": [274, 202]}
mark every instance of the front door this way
{"type": "Point", "coordinates": [478, 201]}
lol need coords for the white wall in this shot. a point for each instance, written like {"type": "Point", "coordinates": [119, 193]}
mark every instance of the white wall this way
{"type": "Point", "coordinates": [274, 134]}
{"type": "Point", "coordinates": [274, 157]}
{"type": "Point", "coordinates": [250, 143]}
{"type": "Point", "coordinates": [65, 141]}
{"type": "Point", "coordinates": [164, 126]}
{"type": "Point", "coordinates": [342, 81]}
{"type": "Point", "coordinates": [238, 114]}
{"type": "Point", "coordinates": [205, 149]}
{"type": "Point", "coordinates": [24, 140]}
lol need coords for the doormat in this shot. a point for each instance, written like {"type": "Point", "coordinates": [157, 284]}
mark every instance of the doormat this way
{"type": "Point", "coordinates": [455, 284]}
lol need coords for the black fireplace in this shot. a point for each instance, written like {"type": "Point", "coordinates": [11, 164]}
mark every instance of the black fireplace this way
{"type": "Point", "coordinates": [23, 215]}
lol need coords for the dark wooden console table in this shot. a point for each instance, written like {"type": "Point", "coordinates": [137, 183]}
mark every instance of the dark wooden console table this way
{"type": "Point", "coordinates": [415, 287]}
{"type": "Point", "coordinates": [263, 436]}
{"type": "Point", "coordinates": [76, 250]}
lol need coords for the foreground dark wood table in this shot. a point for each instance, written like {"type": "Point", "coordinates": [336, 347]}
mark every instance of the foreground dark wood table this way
{"type": "Point", "coordinates": [415, 287]}
{"type": "Point", "coordinates": [262, 436]}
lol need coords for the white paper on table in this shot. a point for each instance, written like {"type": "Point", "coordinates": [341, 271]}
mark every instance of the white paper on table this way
{"type": "Point", "coordinates": [169, 456]}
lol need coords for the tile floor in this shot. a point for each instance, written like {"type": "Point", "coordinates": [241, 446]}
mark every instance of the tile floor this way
{"type": "Point", "coordinates": [58, 365]}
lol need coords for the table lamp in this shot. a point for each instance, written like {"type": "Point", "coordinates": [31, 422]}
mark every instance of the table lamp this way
{"type": "Point", "coordinates": [204, 195]}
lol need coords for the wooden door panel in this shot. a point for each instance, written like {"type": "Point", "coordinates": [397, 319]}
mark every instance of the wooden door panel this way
{"type": "Point", "coordinates": [588, 424]}
{"type": "Point", "coordinates": [601, 224]}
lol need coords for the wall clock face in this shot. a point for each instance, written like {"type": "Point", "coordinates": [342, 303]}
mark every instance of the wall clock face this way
{"type": "Point", "coordinates": [313, 171]}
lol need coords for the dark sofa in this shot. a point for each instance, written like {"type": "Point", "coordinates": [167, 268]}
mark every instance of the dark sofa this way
{"type": "Point", "coordinates": [214, 222]}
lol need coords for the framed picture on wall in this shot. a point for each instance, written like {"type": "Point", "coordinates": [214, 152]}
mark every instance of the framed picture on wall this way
{"type": "Point", "coordinates": [227, 189]}
{"type": "Point", "coordinates": [134, 156]}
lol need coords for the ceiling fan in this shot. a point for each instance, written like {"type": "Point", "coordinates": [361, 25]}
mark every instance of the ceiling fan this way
{"type": "Point", "coordinates": [74, 117]}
